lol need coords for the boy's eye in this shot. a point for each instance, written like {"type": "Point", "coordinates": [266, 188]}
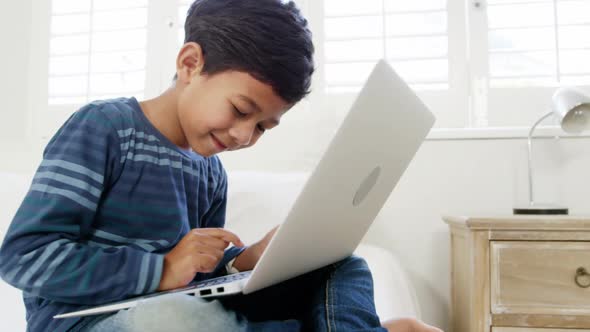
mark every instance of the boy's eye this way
{"type": "Point", "coordinates": [238, 111]}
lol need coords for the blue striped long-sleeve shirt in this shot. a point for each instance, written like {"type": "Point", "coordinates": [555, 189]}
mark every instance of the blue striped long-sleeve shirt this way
{"type": "Point", "coordinates": [111, 197]}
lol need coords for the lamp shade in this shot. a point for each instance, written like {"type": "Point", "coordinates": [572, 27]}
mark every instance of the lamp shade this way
{"type": "Point", "coordinates": [572, 108]}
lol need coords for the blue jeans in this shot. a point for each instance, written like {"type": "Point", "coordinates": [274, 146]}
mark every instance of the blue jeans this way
{"type": "Point", "coordinates": [338, 297]}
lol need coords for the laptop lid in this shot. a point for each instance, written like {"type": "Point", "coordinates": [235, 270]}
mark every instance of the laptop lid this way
{"type": "Point", "coordinates": [364, 161]}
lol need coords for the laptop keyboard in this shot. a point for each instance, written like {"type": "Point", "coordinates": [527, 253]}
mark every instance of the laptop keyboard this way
{"type": "Point", "coordinates": [224, 279]}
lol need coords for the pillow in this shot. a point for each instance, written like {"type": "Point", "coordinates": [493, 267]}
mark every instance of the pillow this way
{"type": "Point", "coordinates": [259, 201]}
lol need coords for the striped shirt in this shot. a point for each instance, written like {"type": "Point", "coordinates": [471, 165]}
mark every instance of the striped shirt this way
{"type": "Point", "coordinates": [111, 197]}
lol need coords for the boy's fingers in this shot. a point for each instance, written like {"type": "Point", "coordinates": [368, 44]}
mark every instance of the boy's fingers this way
{"type": "Point", "coordinates": [221, 234]}
{"type": "Point", "coordinates": [204, 249]}
{"type": "Point", "coordinates": [207, 262]}
{"type": "Point", "coordinates": [272, 232]}
{"type": "Point", "coordinates": [212, 241]}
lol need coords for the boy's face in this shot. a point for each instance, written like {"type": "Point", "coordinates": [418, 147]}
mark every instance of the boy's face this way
{"type": "Point", "coordinates": [226, 111]}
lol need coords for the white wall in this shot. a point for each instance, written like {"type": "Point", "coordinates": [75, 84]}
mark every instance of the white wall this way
{"type": "Point", "coordinates": [468, 177]}
{"type": "Point", "coordinates": [15, 26]}
{"type": "Point", "coordinates": [15, 22]}
{"type": "Point", "coordinates": [447, 177]}
{"type": "Point", "coordinates": [13, 66]}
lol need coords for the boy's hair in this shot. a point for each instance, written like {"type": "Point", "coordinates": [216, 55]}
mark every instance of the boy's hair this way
{"type": "Point", "coordinates": [268, 39]}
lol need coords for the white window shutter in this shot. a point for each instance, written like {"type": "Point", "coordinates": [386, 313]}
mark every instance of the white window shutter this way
{"type": "Point", "coordinates": [411, 35]}
{"type": "Point", "coordinates": [97, 50]}
{"type": "Point", "coordinates": [534, 46]}
{"type": "Point", "coordinates": [539, 43]}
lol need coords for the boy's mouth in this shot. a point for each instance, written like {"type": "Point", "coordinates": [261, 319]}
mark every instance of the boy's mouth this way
{"type": "Point", "coordinates": [218, 143]}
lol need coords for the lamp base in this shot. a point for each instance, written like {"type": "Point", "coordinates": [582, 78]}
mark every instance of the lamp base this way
{"type": "Point", "coordinates": [541, 209]}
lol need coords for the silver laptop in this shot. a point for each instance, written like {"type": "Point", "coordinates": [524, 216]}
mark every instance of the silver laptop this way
{"type": "Point", "coordinates": [368, 155]}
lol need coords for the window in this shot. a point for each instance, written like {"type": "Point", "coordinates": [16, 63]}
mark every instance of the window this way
{"type": "Point", "coordinates": [475, 63]}
{"type": "Point", "coordinates": [97, 50]}
{"type": "Point", "coordinates": [533, 47]}
{"type": "Point", "coordinates": [547, 48]}
{"type": "Point", "coordinates": [416, 37]}
{"type": "Point", "coordinates": [494, 64]}
{"type": "Point", "coordinates": [412, 35]}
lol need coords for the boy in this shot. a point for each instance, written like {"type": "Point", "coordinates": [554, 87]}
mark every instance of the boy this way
{"type": "Point", "coordinates": [130, 196]}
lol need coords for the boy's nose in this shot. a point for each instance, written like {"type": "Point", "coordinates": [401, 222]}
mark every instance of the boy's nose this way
{"type": "Point", "coordinates": [242, 135]}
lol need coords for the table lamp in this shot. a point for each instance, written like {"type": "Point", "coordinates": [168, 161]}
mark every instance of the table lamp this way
{"type": "Point", "coordinates": [572, 109]}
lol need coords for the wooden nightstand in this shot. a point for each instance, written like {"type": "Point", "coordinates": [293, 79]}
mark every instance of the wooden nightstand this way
{"type": "Point", "coordinates": [520, 274]}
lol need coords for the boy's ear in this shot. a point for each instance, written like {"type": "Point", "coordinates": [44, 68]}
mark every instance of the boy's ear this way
{"type": "Point", "coordinates": [190, 61]}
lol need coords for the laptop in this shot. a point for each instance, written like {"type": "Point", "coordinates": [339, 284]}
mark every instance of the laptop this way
{"type": "Point", "coordinates": [364, 161]}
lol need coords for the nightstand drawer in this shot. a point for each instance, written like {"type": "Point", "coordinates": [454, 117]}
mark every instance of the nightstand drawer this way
{"type": "Point", "coordinates": [539, 278]}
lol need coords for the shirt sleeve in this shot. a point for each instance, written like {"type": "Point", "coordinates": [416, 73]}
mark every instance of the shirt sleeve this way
{"type": "Point", "coordinates": [230, 268]}
{"type": "Point", "coordinates": [45, 252]}
{"type": "Point", "coordinates": [215, 218]}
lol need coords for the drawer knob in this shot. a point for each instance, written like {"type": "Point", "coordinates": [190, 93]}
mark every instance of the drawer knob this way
{"type": "Point", "coordinates": [582, 278]}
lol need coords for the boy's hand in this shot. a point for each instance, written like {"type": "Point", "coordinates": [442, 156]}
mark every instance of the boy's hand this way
{"type": "Point", "coordinates": [199, 251]}
{"type": "Point", "coordinates": [249, 257]}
